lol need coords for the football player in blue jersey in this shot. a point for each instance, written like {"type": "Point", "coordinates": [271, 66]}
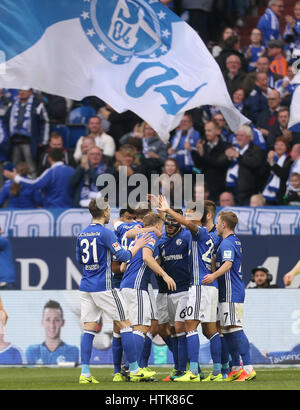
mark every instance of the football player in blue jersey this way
{"type": "Point", "coordinates": [231, 296]}
{"type": "Point", "coordinates": [94, 249]}
{"type": "Point", "coordinates": [209, 222]}
{"type": "Point", "coordinates": [135, 281]}
{"type": "Point", "coordinates": [202, 299]}
{"type": "Point", "coordinates": [174, 249]}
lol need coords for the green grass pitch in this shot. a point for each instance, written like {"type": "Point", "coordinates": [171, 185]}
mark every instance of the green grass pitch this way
{"type": "Point", "coordinates": [67, 379]}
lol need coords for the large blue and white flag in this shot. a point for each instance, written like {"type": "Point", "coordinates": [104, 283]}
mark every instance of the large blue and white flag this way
{"type": "Point", "coordinates": [294, 123]}
{"type": "Point", "coordinates": [134, 54]}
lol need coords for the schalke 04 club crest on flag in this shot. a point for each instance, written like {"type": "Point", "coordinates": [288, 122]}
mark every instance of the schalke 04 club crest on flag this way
{"type": "Point", "coordinates": [121, 29]}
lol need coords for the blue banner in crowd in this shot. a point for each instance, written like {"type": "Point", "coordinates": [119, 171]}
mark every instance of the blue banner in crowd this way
{"type": "Point", "coordinates": [49, 263]}
{"type": "Point", "coordinates": [68, 223]}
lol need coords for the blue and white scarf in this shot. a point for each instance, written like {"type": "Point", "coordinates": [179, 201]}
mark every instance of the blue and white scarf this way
{"type": "Point", "coordinates": [233, 171]}
{"type": "Point", "coordinates": [188, 161]}
{"type": "Point", "coordinates": [25, 128]}
{"type": "Point", "coordinates": [273, 184]}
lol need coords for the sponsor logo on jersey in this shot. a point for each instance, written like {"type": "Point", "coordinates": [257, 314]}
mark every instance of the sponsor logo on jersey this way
{"type": "Point", "coordinates": [116, 246]}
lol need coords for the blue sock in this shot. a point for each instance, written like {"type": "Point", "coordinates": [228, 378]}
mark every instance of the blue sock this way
{"type": "Point", "coordinates": [224, 355]}
{"type": "Point", "coordinates": [86, 347]}
{"type": "Point", "coordinates": [182, 351]}
{"type": "Point", "coordinates": [174, 340]}
{"type": "Point", "coordinates": [244, 349]}
{"type": "Point", "coordinates": [232, 340]}
{"type": "Point", "coordinates": [193, 345]}
{"type": "Point", "coordinates": [146, 351]}
{"type": "Point", "coordinates": [139, 340]}
{"type": "Point", "coordinates": [117, 352]}
{"type": "Point", "coordinates": [215, 351]}
{"type": "Point", "coordinates": [168, 341]}
{"type": "Point", "coordinates": [128, 343]}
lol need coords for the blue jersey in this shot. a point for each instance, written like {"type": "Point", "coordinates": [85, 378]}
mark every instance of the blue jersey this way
{"type": "Point", "coordinates": [11, 355]}
{"type": "Point", "coordinates": [7, 267]}
{"type": "Point", "coordinates": [175, 256]}
{"type": "Point", "coordinates": [94, 250]}
{"type": "Point", "coordinates": [231, 285]}
{"type": "Point", "coordinates": [202, 252]}
{"type": "Point", "coordinates": [138, 274]}
{"type": "Point", "coordinates": [40, 354]}
{"type": "Point", "coordinates": [121, 228]}
{"type": "Point", "coordinates": [215, 238]}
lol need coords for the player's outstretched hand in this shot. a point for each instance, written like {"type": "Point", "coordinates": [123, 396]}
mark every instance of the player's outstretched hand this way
{"type": "Point", "coordinates": [288, 278]}
{"type": "Point", "coordinates": [143, 240]}
{"type": "Point", "coordinates": [154, 201]}
{"type": "Point", "coordinates": [163, 204]}
{"type": "Point", "coordinates": [170, 282]}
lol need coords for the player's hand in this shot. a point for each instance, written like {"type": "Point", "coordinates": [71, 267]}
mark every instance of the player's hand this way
{"type": "Point", "coordinates": [163, 204]}
{"type": "Point", "coordinates": [208, 279]}
{"type": "Point", "coordinates": [154, 201]}
{"type": "Point", "coordinates": [3, 316]}
{"type": "Point", "coordinates": [288, 278]}
{"type": "Point", "coordinates": [170, 282]}
{"type": "Point", "coordinates": [10, 174]}
{"type": "Point", "coordinates": [143, 240]}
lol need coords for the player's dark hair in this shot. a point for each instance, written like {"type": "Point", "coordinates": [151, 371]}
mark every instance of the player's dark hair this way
{"type": "Point", "coordinates": [56, 154]}
{"type": "Point", "coordinates": [98, 211]}
{"type": "Point", "coordinates": [229, 218]}
{"type": "Point", "coordinates": [52, 304]}
{"type": "Point", "coordinates": [152, 219]}
{"type": "Point", "coordinates": [210, 206]}
{"type": "Point", "coordinates": [142, 209]}
{"type": "Point", "coordinates": [123, 210]}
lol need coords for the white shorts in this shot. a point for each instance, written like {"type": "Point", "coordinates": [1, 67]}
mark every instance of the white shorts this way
{"type": "Point", "coordinates": [202, 303]}
{"type": "Point", "coordinates": [231, 314]}
{"type": "Point", "coordinates": [162, 308]}
{"type": "Point", "coordinates": [154, 313]}
{"type": "Point", "coordinates": [110, 302]}
{"type": "Point", "coordinates": [139, 306]}
{"type": "Point", "coordinates": [177, 303]}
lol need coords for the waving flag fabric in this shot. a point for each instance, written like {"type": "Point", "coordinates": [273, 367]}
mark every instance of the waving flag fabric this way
{"type": "Point", "coordinates": [294, 123]}
{"type": "Point", "coordinates": [134, 54]}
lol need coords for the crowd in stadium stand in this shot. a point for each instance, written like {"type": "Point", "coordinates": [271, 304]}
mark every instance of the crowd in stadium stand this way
{"type": "Point", "coordinates": [63, 146]}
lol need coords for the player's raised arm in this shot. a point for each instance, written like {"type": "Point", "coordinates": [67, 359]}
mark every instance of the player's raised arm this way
{"type": "Point", "coordinates": [289, 276]}
{"type": "Point", "coordinates": [157, 269]}
{"type": "Point", "coordinates": [165, 207]}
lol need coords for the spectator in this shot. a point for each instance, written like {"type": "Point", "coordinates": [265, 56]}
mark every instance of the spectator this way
{"type": "Point", "coordinates": [257, 200]}
{"type": "Point", "coordinates": [217, 49]}
{"type": "Point", "coordinates": [219, 119]}
{"type": "Point", "coordinates": [84, 179]}
{"type": "Point", "coordinates": [7, 267]}
{"type": "Point", "coordinates": [104, 141]}
{"type": "Point", "coordinates": [285, 85]}
{"type": "Point", "coordinates": [276, 54]}
{"type": "Point", "coordinates": [279, 164]}
{"type": "Point", "coordinates": [232, 47]}
{"type": "Point", "coordinates": [201, 192]}
{"type": "Point", "coordinates": [57, 108]}
{"type": "Point", "coordinates": [54, 182]}
{"type": "Point", "coordinates": [182, 144]}
{"type": "Point", "coordinates": [258, 99]}
{"type": "Point", "coordinates": [246, 172]}
{"type": "Point", "coordinates": [134, 138]}
{"type": "Point", "coordinates": [87, 144]}
{"type": "Point", "coordinates": [292, 30]}
{"type": "Point", "coordinates": [234, 76]}
{"type": "Point", "coordinates": [292, 195]}
{"type": "Point", "coordinates": [295, 155]}
{"type": "Point", "coordinates": [209, 157]}
{"type": "Point", "coordinates": [269, 23]}
{"type": "Point", "coordinates": [27, 124]}
{"type": "Point", "coordinates": [226, 199]}
{"type": "Point", "coordinates": [262, 278]}
{"type": "Point", "coordinates": [120, 123]}
{"type": "Point", "coordinates": [155, 151]}
{"type": "Point", "coordinates": [126, 156]}
{"type": "Point", "coordinates": [169, 177]}
{"type": "Point", "coordinates": [280, 127]}
{"type": "Point", "coordinates": [199, 12]}
{"type": "Point", "coordinates": [254, 50]}
{"type": "Point", "coordinates": [56, 141]}
{"type": "Point", "coordinates": [262, 66]}
{"type": "Point", "coordinates": [238, 99]}
{"type": "Point", "coordinates": [19, 195]}
{"type": "Point", "coordinates": [4, 103]}
{"type": "Point", "coordinates": [267, 118]}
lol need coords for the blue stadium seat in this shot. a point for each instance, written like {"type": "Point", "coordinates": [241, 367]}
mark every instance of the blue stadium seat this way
{"type": "Point", "coordinates": [81, 115]}
{"type": "Point", "coordinates": [76, 131]}
{"type": "Point", "coordinates": [64, 131]}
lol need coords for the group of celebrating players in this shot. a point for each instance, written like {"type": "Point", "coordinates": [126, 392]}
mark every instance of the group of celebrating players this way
{"type": "Point", "coordinates": [197, 267]}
